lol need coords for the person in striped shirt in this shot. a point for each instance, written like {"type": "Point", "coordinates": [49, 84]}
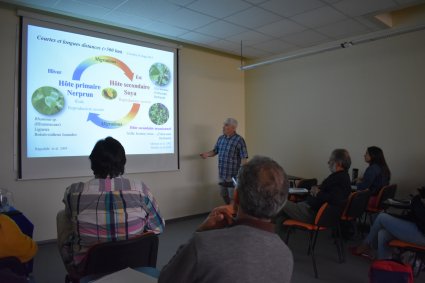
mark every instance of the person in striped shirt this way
{"type": "Point", "coordinates": [232, 153]}
{"type": "Point", "coordinates": [106, 208]}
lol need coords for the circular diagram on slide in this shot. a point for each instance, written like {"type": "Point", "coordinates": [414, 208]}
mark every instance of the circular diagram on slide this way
{"type": "Point", "coordinates": [158, 113]}
{"type": "Point", "coordinates": [48, 100]}
{"type": "Point", "coordinates": [159, 74]}
{"type": "Point", "coordinates": [109, 93]}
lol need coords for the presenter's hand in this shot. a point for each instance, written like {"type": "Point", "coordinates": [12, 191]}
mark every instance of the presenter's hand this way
{"type": "Point", "coordinates": [218, 218]}
{"type": "Point", "coordinates": [314, 190]}
{"type": "Point", "coordinates": [204, 155]}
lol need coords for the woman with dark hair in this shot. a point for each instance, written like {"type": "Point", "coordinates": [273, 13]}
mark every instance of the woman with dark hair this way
{"type": "Point", "coordinates": [377, 174]}
{"type": "Point", "coordinates": [106, 208]}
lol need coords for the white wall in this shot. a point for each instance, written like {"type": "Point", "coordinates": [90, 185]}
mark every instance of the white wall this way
{"type": "Point", "coordinates": [298, 111]}
{"type": "Point", "coordinates": [211, 89]}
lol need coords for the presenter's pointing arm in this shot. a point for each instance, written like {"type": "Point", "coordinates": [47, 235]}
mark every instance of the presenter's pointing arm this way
{"type": "Point", "coordinates": [207, 154]}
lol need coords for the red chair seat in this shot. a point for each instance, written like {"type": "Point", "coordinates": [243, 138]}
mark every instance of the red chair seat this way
{"type": "Point", "coordinates": [303, 225]}
{"type": "Point", "coordinates": [405, 245]}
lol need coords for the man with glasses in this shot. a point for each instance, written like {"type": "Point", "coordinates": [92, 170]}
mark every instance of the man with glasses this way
{"type": "Point", "coordinates": [334, 190]}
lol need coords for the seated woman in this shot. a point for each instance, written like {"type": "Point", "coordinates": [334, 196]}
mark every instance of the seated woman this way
{"type": "Point", "coordinates": [13, 243]}
{"type": "Point", "coordinates": [106, 208]}
{"type": "Point", "coordinates": [377, 174]}
{"type": "Point", "coordinates": [387, 227]}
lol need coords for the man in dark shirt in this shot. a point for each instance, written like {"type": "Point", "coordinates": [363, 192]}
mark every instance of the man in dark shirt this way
{"type": "Point", "coordinates": [335, 190]}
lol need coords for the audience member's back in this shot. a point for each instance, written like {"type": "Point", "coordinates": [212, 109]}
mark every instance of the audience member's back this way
{"type": "Point", "coordinates": [241, 249]}
{"type": "Point", "coordinates": [242, 254]}
{"type": "Point", "coordinates": [106, 208]}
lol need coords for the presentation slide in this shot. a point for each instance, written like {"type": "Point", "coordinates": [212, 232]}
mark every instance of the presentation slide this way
{"type": "Point", "coordinates": [82, 88]}
{"type": "Point", "coordinates": [79, 84]}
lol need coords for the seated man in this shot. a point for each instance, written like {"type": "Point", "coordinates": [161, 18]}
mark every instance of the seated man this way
{"type": "Point", "coordinates": [244, 248]}
{"type": "Point", "coordinates": [335, 190]}
{"type": "Point", "coordinates": [106, 208]}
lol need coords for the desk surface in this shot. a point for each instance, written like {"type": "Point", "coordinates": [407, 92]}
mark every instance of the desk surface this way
{"type": "Point", "coordinates": [402, 204]}
{"type": "Point", "coordinates": [127, 275]}
{"type": "Point", "coordinates": [292, 177]}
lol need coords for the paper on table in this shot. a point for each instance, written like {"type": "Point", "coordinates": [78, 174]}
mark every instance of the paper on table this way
{"type": "Point", "coordinates": [127, 275]}
{"type": "Point", "coordinates": [298, 190]}
{"type": "Point", "coordinates": [395, 201]}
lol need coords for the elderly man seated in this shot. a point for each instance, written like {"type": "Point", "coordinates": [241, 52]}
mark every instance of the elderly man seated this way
{"type": "Point", "coordinates": [244, 248]}
{"type": "Point", "coordinates": [335, 190]}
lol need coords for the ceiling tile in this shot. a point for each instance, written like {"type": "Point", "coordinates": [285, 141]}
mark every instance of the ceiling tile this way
{"type": "Point", "coordinates": [126, 20]}
{"type": "Point", "coordinates": [221, 29]}
{"type": "Point", "coordinates": [253, 17]}
{"type": "Point", "coordinates": [409, 2]}
{"type": "Point", "coordinates": [40, 3]}
{"type": "Point", "coordinates": [288, 8]}
{"type": "Point", "coordinates": [150, 9]}
{"type": "Point", "coordinates": [371, 24]}
{"type": "Point", "coordinates": [275, 46]}
{"type": "Point", "coordinates": [331, 1]}
{"type": "Point", "coordinates": [110, 4]}
{"type": "Point", "coordinates": [81, 9]}
{"type": "Point", "coordinates": [165, 29]}
{"type": "Point", "coordinates": [343, 29]}
{"type": "Point", "coordinates": [305, 38]}
{"type": "Point", "coordinates": [197, 37]}
{"type": "Point", "coordinates": [182, 2]}
{"type": "Point", "coordinates": [362, 7]}
{"type": "Point", "coordinates": [225, 44]}
{"type": "Point", "coordinates": [249, 37]}
{"type": "Point", "coordinates": [256, 2]}
{"type": "Point", "coordinates": [188, 19]}
{"type": "Point", "coordinates": [252, 52]}
{"type": "Point", "coordinates": [281, 28]}
{"type": "Point", "coordinates": [219, 8]}
{"type": "Point", "coordinates": [319, 17]}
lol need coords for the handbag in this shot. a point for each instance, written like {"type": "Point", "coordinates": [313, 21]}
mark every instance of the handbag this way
{"type": "Point", "coordinates": [390, 271]}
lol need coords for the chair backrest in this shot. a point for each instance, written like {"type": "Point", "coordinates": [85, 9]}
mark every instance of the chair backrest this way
{"type": "Point", "coordinates": [14, 265]}
{"type": "Point", "coordinates": [327, 215]}
{"type": "Point", "coordinates": [385, 193]}
{"type": "Point", "coordinates": [307, 183]}
{"type": "Point", "coordinates": [356, 204]}
{"type": "Point", "coordinates": [113, 256]}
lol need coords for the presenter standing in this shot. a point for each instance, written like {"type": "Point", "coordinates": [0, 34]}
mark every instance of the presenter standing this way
{"type": "Point", "coordinates": [232, 153]}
